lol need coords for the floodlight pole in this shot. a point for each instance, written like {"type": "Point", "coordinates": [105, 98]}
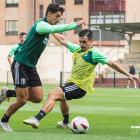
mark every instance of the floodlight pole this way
{"type": "Point", "coordinates": [100, 43]}
{"type": "Point", "coordinates": [33, 19]}
{"type": "Point", "coordinates": [63, 52]}
{"type": "Point", "coordinates": [134, 21]}
{"type": "Point", "coordinates": [25, 20]}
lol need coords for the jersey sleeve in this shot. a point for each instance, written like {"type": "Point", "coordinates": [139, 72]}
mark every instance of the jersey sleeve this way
{"type": "Point", "coordinates": [44, 27]}
{"type": "Point", "coordinates": [73, 47]}
{"type": "Point", "coordinates": [13, 50]}
{"type": "Point", "coordinates": [99, 57]}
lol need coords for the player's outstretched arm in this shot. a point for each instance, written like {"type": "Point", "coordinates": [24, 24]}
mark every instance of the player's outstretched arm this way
{"type": "Point", "coordinates": [118, 68]}
{"type": "Point", "coordinates": [61, 39]}
{"type": "Point", "coordinates": [44, 27]}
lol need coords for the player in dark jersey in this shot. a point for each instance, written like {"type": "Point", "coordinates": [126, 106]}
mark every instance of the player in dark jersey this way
{"type": "Point", "coordinates": [24, 65]}
{"type": "Point", "coordinates": [132, 71]}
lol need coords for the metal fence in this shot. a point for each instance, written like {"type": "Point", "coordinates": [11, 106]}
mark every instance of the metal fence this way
{"type": "Point", "coordinates": [109, 79]}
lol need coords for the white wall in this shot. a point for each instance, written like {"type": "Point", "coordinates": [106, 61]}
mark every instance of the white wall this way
{"type": "Point", "coordinates": [50, 63]}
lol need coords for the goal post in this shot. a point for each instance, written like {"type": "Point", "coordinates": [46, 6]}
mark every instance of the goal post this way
{"type": "Point", "coordinates": [9, 78]}
{"type": "Point", "coordinates": [64, 76]}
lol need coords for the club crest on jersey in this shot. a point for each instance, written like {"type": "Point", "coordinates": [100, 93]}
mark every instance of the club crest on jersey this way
{"type": "Point", "coordinates": [45, 41]}
{"type": "Point", "coordinates": [23, 81]}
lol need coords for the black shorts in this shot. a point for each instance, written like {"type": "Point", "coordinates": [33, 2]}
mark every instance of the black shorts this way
{"type": "Point", "coordinates": [72, 91]}
{"type": "Point", "coordinates": [24, 76]}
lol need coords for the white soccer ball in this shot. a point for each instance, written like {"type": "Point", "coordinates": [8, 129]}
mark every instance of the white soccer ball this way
{"type": "Point", "coordinates": [79, 125]}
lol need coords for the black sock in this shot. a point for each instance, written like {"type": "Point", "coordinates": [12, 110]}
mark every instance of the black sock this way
{"type": "Point", "coordinates": [11, 93]}
{"type": "Point", "coordinates": [5, 118]}
{"type": "Point", "coordinates": [66, 119]}
{"type": "Point", "coordinates": [40, 115]}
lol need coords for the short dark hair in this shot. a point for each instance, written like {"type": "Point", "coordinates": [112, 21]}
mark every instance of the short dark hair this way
{"type": "Point", "coordinates": [53, 8]}
{"type": "Point", "coordinates": [87, 33]}
{"type": "Point", "coordinates": [22, 33]}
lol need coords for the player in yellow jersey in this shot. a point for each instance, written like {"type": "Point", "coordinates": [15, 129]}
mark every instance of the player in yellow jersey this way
{"type": "Point", "coordinates": [85, 59]}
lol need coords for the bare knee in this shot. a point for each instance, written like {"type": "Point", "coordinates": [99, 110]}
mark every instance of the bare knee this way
{"type": "Point", "coordinates": [39, 100]}
{"type": "Point", "coordinates": [22, 102]}
{"type": "Point", "coordinates": [56, 94]}
{"type": "Point", "coordinates": [52, 95]}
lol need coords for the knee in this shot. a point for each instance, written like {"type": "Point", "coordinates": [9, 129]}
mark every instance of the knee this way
{"type": "Point", "coordinates": [52, 95]}
{"type": "Point", "coordinates": [22, 102]}
{"type": "Point", "coordinates": [39, 100]}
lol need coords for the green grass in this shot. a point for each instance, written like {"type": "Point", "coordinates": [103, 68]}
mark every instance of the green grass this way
{"type": "Point", "coordinates": [110, 112]}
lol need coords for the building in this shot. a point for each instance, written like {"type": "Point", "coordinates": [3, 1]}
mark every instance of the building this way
{"type": "Point", "coordinates": [20, 15]}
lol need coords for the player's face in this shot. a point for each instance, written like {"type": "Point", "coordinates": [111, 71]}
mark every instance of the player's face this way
{"type": "Point", "coordinates": [85, 43]}
{"type": "Point", "coordinates": [22, 39]}
{"type": "Point", "coordinates": [54, 18]}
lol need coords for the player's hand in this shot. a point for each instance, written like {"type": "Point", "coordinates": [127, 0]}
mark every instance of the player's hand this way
{"type": "Point", "coordinates": [80, 22]}
{"type": "Point", "coordinates": [133, 76]}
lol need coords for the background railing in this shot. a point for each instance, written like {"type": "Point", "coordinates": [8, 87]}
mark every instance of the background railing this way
{"type": "Point", "coordinates": [110, 54]}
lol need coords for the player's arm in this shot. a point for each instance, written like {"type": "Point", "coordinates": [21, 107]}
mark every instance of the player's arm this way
{"type": "Point", "coordinates": [118, 68]}
{"type": "Point", "coordinates": [13, 50]}
{"type": "Point", "coordinates": [9, 59]}
{"type": "Point", "coordinates": [61, 39]}
{"type": "Point", "coordinates": [72, 47]}
{"type": "Point", "coordinates": [99, 57]}
{"type": "Point", "coordinates": [44, 27]}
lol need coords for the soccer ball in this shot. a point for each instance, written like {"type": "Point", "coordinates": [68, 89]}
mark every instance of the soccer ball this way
{"type": "Point", "coordinates": [79, 125]}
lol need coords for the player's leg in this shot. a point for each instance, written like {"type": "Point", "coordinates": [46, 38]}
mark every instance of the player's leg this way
{"type": "Point", "coordinates": [71, 91]}
{"type": "Point", "coordinates": [6, 94]}
{"type": "Point", "coordinates": [35, 94]}
{"type": "Point", "coordinates": [64, 106]}
{"type": "Point", "coordinates": [19, 73]}
{"type": "Point", "coordinates": [135, 87]}
{"type": "Point", "coordinates": [22, 97]}
{"type": "Point", "coordinates": [68, 91]}
{"type": "Point", "coordinates": [128, 84]}
{"type": "Point", "coordinates": [35, 90]}
{"type": "Point", "coordinates": [55, 95]}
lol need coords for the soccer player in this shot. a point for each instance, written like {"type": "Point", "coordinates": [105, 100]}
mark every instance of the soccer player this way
{"type": "Point", "coordinates": [24, 65]}
{"type": "Point", "coordinates": [85, 59]}
{"type": "Point", "coordinates": [132, 71]}
{"type": "Point", "coordinates": [15, 50]}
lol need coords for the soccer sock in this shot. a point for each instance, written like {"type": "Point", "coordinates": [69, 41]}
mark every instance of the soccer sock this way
{"type": "Point", "coordinates": [40, 115]}
{"type": "Point", "coordinates": [5, 118]}
{"type": "Point", "coordinates": [11, 93]}
{"type": "Point", "coordinates": [127, 86]}
{"type": "Point", "coordinates": [66, 119]}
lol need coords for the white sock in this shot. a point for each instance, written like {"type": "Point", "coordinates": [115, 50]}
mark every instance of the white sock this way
{"type": "Point", "coordinates": [127, 86]}
{"type": "Point", "coordinates": [135, 87]}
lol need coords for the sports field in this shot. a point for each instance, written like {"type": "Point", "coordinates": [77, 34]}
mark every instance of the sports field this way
{"type": "Point", "coordinates": [110, 112]}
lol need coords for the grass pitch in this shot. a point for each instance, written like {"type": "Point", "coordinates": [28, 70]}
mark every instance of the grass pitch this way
{"type": "Point", "coordinates": [110, 112]}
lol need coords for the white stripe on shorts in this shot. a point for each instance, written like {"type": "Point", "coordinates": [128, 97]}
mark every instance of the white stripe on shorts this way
{"type": "Point", "coordinates": [17, 73]}
{"type": "Point", "coordinates": [64, 96]}
{"type": "Point", "coordinates": [71, 88]}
